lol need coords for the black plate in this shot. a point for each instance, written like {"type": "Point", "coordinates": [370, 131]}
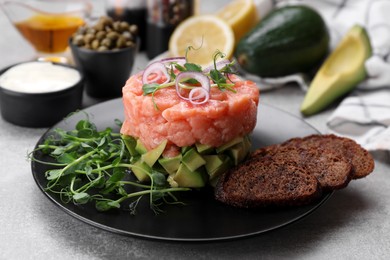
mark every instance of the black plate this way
{"type": "Point", "coordinates": [203, 219]}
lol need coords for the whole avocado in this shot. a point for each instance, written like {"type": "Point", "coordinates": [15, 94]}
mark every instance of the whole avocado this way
{"type": "Point", "coordinates": [289, 40]}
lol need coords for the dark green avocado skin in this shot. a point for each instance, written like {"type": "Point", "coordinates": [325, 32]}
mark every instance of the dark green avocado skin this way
{"type": "Point", "coordinates": [289, 40]}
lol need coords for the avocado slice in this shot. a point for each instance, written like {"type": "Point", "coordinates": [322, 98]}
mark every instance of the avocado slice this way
{"type": "Point", "coordinates": [185, 149]}
{"type": "Point", "coordinates": [185, 177]}
{"type": "Point", "coordinates": [152, 156]}
{"type": "Point", "coordinates": [130, 143]}
{"type": "Point", "coordinates": [216, 164]}
{"type": "Point", "coordinates": [193, 160]}
{"type": "Point", "coordinates": [340, 73]}
{"type": "Point", "coordinates": [141, 170]}
{"type": "Point", "coordinates": [140, 147]}
{"type": "Point", "coordinates": [204, 148]}
{"type": "Point", "coordinates": [229, 144]}
{"type": "Point", "coordinates": [240, 151]}
{"type": "Point", "coordinates": [170, 164]}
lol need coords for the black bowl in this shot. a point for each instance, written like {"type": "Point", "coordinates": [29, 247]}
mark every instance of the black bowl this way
{"type": "Point", "coordinates": [40, 109]}
{"type": "Point", "coordinates": [105, 72]}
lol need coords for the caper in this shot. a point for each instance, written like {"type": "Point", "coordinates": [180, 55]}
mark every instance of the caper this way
{"type": "Point", "coordinates": [99, 27]}
{"type": "Point", "coordinates": [106, 42]}
{"type": "Point", "coordinates": [95, 44]}
{"type": "Point", "coordinates": [102, 48]}
{"type": "Point", "coordinates": [112, 35]}
{"type": "Point", "coordinates": [88, 38]}
{"type": "Point", "coordinates": [106, 35]}
{"type": "Point", "coordinates": [133, 29]}
{"type": "Point", "coordinates": [107, 20]}
{"type": "Point", "coordinates": [91, 31]}
{"type": "Point", "coordinates": [103, 23]}
{"type": "Point", "coordinates": [121, 42]}
{"type": "Point", "coordinates": [100, 35]}
{"type": "Point", "coordinates": [127, 35]}
{"type": "Point", "coordinates": [116, 26]}
{"type": "Point", "coordinates": [123, 26]}
{"type": "Point", "coordinates": [78, 40]}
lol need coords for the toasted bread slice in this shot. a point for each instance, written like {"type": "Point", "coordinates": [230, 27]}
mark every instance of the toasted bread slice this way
{"type": "Point", "coordinates": [294, 172]}
{"type": "Point", "coordinates": [263, 181]}
{"type": "Point", "coordinates": [331, 170]}
{"type": "Point", "coordinates": [361, 160]}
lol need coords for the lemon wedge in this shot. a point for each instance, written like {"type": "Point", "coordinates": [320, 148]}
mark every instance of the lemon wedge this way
{"type": "Point", "coordinates": [205, 34]}
{"type": "Point", "coordinates": [241, 15]}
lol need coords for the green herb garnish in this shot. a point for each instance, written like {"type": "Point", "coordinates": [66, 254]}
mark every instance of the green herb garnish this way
{"type": "Point", "coordinates": [88, 165]}
{"type": "Point", "coordinates": [217, 74]}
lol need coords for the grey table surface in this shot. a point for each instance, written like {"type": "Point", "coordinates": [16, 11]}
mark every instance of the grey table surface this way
{"type": "Point", "coordinates": [353, 224]}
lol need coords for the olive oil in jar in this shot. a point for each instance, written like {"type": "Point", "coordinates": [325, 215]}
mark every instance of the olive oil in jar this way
{"type": "Point", "coordinates": [49, 33]}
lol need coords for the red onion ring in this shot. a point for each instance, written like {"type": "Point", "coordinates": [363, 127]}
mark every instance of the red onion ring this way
{"type": "Point", "coordinates": [155, 68]}
{"type": "Point", "coordinates": [202, 79]}
{"type": "Point", "coordinates": [204, 95]}
{"type": "Point", "coordinates": [219, 65]}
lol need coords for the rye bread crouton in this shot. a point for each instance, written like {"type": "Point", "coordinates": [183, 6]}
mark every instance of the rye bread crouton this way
{"type": "Point", "coordinates": [295, 172]}
{"type": "Point", "coordinates": [331, 170]}
{"type": "Point", "coordinates": [361, 160]}
{"type": "Point", "coordinates": [260, 182]}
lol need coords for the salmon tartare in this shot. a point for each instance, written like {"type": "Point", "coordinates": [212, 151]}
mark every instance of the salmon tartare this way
{"type": "Point", "coordinates": [165, 115]}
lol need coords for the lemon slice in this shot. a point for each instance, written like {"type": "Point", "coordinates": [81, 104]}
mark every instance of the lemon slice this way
{"type": "Point", "coordinates": [206, 34]}
{"type": "Point", "coordinates": [241, 15]}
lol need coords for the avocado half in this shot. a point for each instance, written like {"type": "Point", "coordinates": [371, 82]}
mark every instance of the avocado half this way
{"type": "Point", "coordinates": [340, 72]}
{"type": "Point", "coordinates": [291, 39]}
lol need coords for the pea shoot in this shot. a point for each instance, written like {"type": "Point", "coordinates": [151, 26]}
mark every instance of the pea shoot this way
{"type": "Point", "coordinates": [92, 166]}
{"type": "Point", "coordinates": [171, 68]}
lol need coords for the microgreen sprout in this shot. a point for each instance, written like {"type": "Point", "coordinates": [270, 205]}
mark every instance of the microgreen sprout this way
{"type": "Point", "coordinates": [86, 165]}
{"type": "Point", "coordinates": [218, 74]}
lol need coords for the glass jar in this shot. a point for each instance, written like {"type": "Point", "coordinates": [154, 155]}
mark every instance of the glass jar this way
{"type": "Point", "coordinates": [162, 18]}
{"type": "Point", "coordinates": [47, 24]}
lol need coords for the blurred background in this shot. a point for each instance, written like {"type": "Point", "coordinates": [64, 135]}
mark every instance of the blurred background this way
{"type": "Point", "coordinates": [14, 48]}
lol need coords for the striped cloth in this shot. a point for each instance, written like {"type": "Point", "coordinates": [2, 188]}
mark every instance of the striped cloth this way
{"type": "Point", "coordinates": [364, 115]}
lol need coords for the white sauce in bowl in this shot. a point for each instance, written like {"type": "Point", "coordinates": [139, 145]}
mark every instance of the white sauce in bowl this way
{"type": "Point", "coordinates": [39, 77]}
